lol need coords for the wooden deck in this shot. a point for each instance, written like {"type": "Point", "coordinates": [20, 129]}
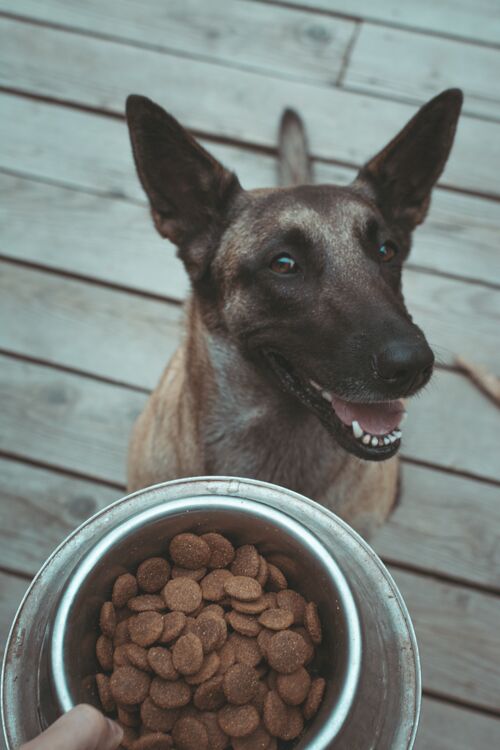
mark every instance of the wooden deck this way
{"type": "Point", "coordinates": [90, 296]}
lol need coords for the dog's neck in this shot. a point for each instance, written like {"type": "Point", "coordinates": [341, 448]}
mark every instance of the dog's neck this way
{"type": "Point", "coordinates": [250, 427]}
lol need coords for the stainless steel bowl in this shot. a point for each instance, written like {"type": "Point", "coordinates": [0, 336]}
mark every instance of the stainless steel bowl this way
{"type": "Point", "coordinates": [369, 654]}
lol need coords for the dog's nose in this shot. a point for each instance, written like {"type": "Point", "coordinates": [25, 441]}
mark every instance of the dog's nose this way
{"type": "Point", "coordinates": [404, 364]}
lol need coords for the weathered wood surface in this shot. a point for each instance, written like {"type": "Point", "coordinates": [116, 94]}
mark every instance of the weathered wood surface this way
{"type": "Point", "coordinates": [415, 67]}
{"type": "Point", "coordinates": [444, 524]}
{"type": "Point", "coordinates": [281, 42]}
{"type": "Point", "coordinates": [90, 152]}
{"type": "Point", "coordinates": [447, 727]}
{"type": "Point", "coordinates": [478, 20]}
{"type": "Point", "coordinates": [215, 99]}
{"type": "Point", "coordinates": [458, 637]}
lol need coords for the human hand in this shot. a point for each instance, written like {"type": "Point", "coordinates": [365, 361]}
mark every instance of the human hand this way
{"type": "Point", "coordinates": [82, 728]}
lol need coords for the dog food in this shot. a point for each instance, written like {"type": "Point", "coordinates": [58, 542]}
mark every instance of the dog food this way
{"type": "Point", "coordinates": [208, 649]}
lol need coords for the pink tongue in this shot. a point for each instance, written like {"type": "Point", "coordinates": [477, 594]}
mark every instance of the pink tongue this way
{"type": "Point", "coordinates": [377, 419]}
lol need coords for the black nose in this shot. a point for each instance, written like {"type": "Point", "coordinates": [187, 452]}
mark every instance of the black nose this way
{"type": "Point", "coordinates": [404, 364]}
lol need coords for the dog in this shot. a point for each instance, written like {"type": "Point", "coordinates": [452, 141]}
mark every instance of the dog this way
{"type": "Point", "coordinates": [298, 345]}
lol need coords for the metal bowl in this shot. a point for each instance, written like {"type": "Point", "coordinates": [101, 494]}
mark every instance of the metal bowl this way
{"type": "Point", "coordinates": [369, 654]}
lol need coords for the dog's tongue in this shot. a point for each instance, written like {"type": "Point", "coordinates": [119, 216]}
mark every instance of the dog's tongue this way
{"type": "Point", "coordinates": [377, 419]}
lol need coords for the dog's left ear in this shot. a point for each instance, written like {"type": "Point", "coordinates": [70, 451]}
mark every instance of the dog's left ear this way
{"type": "Point", "coordinates": [190, 192]}
{"type": "Point", "coordinates": [401, 176]}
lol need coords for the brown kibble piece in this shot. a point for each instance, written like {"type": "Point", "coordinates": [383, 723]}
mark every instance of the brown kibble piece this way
{"type": "Point", "coordinates": [246, 650]}
{"type": "Point", "coordinates": [240, 684]}
{"type": "Point", "coordinates": [152, 574]}
{"type": "Point", "coordinates": [156, 741]}
{"type": "Point", "coordinates": [168, 694]}
{"type": "Point", "coordinates": [209, 667]}
{"type": "Point", "coordinates": [276, 578]}
{"type": "Point", "coordinates": [124, 588]}
{"type": "Point", "coordinates": [209, 696]}
{"type": "Point", "coordinates": [221, 550]}
{"type": "Point", "coordinates": [258, 740]}
{"type": "Point", "coordinates": [158, 719]}
{"type": "Point", "coordinates": [257, 606]}
{"type": "Point", "coordinates": [187, 654]}
{"type": "Point", "coordinates": [246, 561]}
{"type": "Point", "coordinates": [212, 585]}
{"type": "Point", "coordinates": [243, 588]}
{"type": "Point", "coordinates": [190, 734]}
{"type": "Point", "coordinates": [244, 624]}
{"type": "Point", "coordinates": [128, 718]}
{"type": "Point", "coordinates": [195, 575]}
{"type": "Point", "coordinates": [292, 600]}
{"type": "Point", "coordinates": [227, 657]}
{"type": "Point", "coordinates": [276, 619]}
{"type": "Point", "coordinates": [137, 656]}
{"type": "Point", "coordinates": [294, 724]}
{"type": "Point", "coordinates": [182, 594]}
{"type": "Point", "coordinates": [260, 697]}
{"type": "Point", "coordinates": [217, 739]}
{"type": "Point", "coordinates": [107, 619]}
{"type": "Point", "coordinates": [104, 692]}
{"type": "Point", "coordinates": [104, 652]}
{"type": "Point", "coordinates": [121, 634]}
{"type": "Point", "coordinates": [147, 603]}
{"type": "Point", "coordinates": [213, 609]}
{"type": "Point", "coordinates": [129, 685]}
{"type": "Point", "coordinates": [211, 630]}
{"type": "Point", "coordinates": [120, 657]}
{"type": "Point", "coordinates": [313, 623]}
{"type": "Point", "coordinates": [263, 641]}
{"type": "Point", "coordinates": [173, 625]}
{"type": "Point", "coordinates": [263, 573]}
{"type": "Point", "coordinates": [129, 737]}
{"type": "Point", "coordinates": [286, 651]}
{"type": "Point", "coordinates": [238, 721]}
{"type": "Point", "coordinates": [307, 640]}
{"type": "Point", "coordinates": [314, 698]}
{"type": "Point", "coordinates": [161, 662]}
{"type": "Point", "coordinates": [275, 714]}
{"type": "Point", "coordinates": [293, 688]}
{"type": "Point", "coordinates": [189, 551]}
{"type": "Point", "coordinates": [145, 628]}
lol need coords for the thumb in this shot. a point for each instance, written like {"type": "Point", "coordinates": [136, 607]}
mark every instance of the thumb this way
{"type": "Point", "coordinates": [82, 728]}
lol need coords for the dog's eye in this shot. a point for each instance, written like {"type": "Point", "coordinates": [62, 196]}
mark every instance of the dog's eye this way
{"type": "Point", "coordinates": [284, 264]}
{"type": "Point", "coordinates": [387, 252]}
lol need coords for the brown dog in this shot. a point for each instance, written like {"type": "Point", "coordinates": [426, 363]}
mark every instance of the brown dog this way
{"type": "Point", "coordinates": [298, 344]}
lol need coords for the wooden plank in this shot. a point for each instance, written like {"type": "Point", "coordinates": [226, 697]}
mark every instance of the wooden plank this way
{"type": "Point", "coordinates": [12, 590]}
{"type": "Point", "coordinates": [215, 99]}
{"type": "Point", "coordinates": [458, 636]}
{"type": "Point", "coordinates": [444, 524]}
{"type": "Point", "coordinates": [97, 330]}
{"type": "Point", "coordinates": [39, 508]}
{"type": "Point", "coordinates": [79, 424]}
{"type": "Point", "coordinates": [93, 153]}
{"type": "Point", "coordinates": [278, 41]}
{"type": "Point", "coordinates": [100, 330]}
{"type": "Point", "coordinates": [447, 727]}
{"type": "Point", "coordinates": [425, 66]}
{"type": "Point", "coordinates": [479, 20]}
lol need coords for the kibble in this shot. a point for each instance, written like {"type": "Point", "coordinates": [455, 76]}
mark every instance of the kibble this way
{"type": "Point", "coordinates": [208, 650]}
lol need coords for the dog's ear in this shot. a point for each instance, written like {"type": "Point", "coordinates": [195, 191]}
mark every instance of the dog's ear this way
{"type": "Point", "coordinates": [189, 191]}
{"type": "Point", "coordinates": [401, 176]}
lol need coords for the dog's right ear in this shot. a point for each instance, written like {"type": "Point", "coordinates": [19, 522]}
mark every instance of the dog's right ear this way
{"type": "Point", "coordinates": [189, 191]}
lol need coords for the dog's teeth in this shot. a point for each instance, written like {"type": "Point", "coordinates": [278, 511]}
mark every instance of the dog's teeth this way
{"type": "Point", "coordinates": [374, 441]}
{"type": "Point", "coordinates": [356, 428]}
{"type": "Point", "coordinates": [315, 384]}
{"type": "Point", "coordinates": [386, 441]}
{"type": "Point", "coordinates": [366, 439]}
{"type": "Point", "coordinates": [392, 438]}
{"type": "Point", "coordinates": [397, 433]}
{"type": "Point", "coordinates": [327, 396]}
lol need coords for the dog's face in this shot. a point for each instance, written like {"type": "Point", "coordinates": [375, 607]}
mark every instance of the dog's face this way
{"type": "Point", "coordinates": [307, 280]}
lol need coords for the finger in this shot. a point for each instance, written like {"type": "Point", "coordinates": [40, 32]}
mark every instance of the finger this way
{"type": "Point", "coordinates": [82, 728]}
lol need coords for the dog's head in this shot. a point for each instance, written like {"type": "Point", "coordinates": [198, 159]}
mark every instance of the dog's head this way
{"type": "Point", "coordinates": [307, 280]}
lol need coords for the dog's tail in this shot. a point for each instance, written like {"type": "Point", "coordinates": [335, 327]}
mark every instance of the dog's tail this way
{"type": "Point", "coordinates": [294, 163]}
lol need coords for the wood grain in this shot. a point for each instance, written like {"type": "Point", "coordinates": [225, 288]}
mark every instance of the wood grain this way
{"type": "Point", "coordinates": [415, 67]}
{"type": "Point", "coordinates": [282, 42]}
{"type": "Point", "coordinates": [90, 152]}
{"type": "Point", "coordinates": [444, 524]}
{"type": "Point", "coordinates": [458, 637]}
{"type": "Point", "coordinates": [215, 99]}
{"type": "Point", "coordinates": [479, 20]}
{"type": "Point", "coordinates": [446, 727]}
{"type": "Point", "coordinates": [39, 508]}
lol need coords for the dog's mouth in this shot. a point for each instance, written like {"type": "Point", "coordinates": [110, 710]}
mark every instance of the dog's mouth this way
{"type": "Point", "coordinates": [368, 430]}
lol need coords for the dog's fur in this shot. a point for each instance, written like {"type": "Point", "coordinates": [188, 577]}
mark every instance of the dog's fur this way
{"type": "Point", "coordinates": [235, 399]}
